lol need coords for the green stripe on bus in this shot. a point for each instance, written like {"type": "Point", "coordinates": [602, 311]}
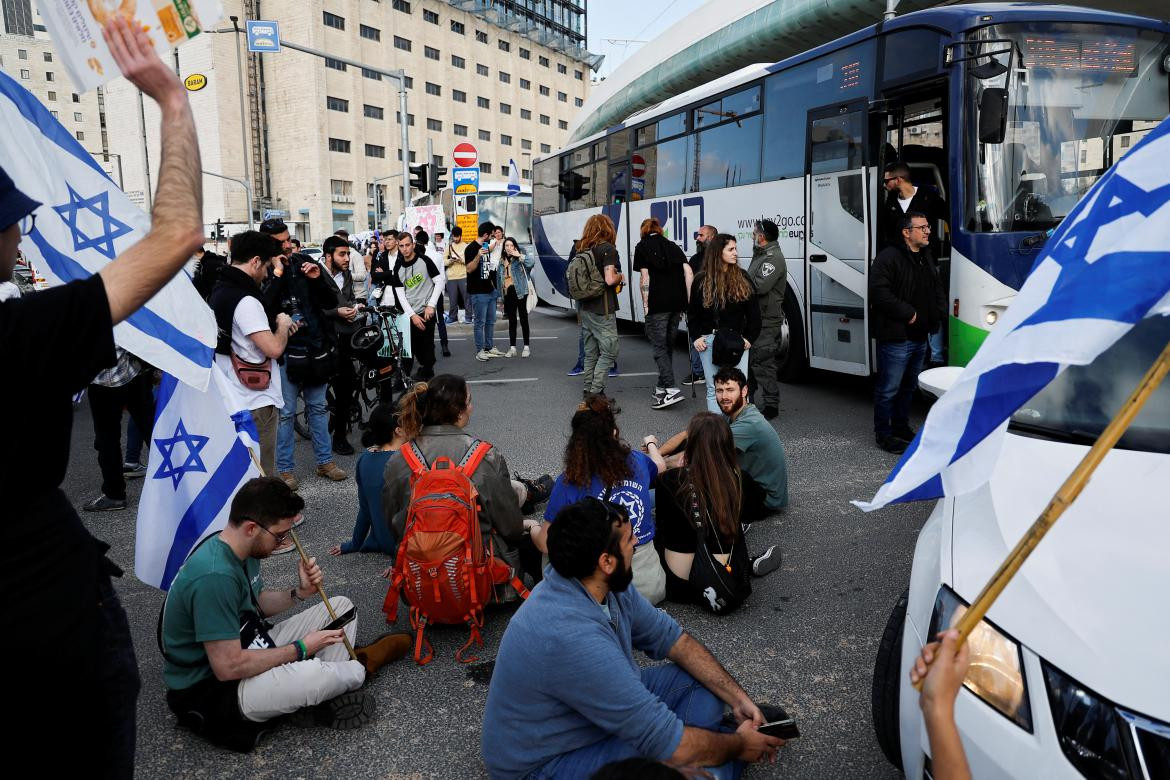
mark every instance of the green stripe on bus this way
{"type": "Point", "coordinates": [965, 341]}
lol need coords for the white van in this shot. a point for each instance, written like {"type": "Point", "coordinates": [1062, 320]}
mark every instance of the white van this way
{"type": "Point", "coordinates": [1070, 671]}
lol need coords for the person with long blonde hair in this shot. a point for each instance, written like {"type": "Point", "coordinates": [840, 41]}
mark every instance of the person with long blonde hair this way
{"type": "Point", "coordinates": [598, 315]}
{"type": "Point", "coordinates": [724, 304]}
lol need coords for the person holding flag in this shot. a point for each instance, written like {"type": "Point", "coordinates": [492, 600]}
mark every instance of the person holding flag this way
{"type": "Point", "coordinates": [79, 680]}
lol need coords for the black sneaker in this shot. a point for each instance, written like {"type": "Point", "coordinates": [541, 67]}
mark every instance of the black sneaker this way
{"type": "Point", "coordinates": [669, 398]}
{"type": "Point", "coordinates": [446, 351]}
{"type": "Point", "coordinates": [342, 446]}
{"type": "Point", "coordinates": [344, 712]}
{"type": "Point", "coordinates": [694, 379]}
{"type": "Point", "coordinates": [766, 563]}
{"type": "Point", "coordinates": [893, 444]}
{"type": "Point", "coordinates": [539, 490]}
{"type": "Point", "coordinates": [104, 503]}
{"type": "Point", "coordinates": [771, 412]}
{"type": "Point", "coordinates": [906, 433]}
{"type": "Point", "coordinates": [133, 470]}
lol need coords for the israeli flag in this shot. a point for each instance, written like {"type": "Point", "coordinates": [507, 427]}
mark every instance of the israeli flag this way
{"type": "Point", "coordinates": [513, 178]}
{"type": "Point", "coordinates": [199, 458]}
{"type": "Point", "coordinates": [85, 222]}
{"type": "Point", "coordinates": [1105, 268]}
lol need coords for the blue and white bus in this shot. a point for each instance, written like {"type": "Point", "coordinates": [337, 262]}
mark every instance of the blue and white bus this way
{"type": "Point", "coordinates": [1010, 112]}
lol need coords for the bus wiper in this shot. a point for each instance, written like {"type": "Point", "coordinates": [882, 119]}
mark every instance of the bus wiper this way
{"type": "Point", "coordinates": [1057, 434]}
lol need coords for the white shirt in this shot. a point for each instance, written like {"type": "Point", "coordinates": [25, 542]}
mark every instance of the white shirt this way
{"type": "Point", "coordinates": [905, 202]}
{"type": "Point", "coordinates": [496, 253]}
{"type": "Point", "coordinates": [250, 318]}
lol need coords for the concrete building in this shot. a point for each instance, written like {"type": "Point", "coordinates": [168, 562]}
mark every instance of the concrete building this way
{"type": "Point", "coordinates": [505, 75]}
{"type": "Point", "coordinates": [27, 55]}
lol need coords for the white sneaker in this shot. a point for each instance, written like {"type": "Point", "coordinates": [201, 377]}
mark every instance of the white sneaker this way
{"type": "Point", "coordinates": [526, 351]}
{"type": "Point", "coordinates": [493, 352]}
{"type": "Point", "coordinates": [482, 355]}
{"type": "Point", "coordinates": [511, 352]}
{"type": "Point", "coordinates": [671, 397]}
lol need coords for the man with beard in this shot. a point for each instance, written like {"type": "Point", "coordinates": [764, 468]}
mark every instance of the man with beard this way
{"type": "Point", "coordinates": [343, 317]}
{"type": "Point", "coordinates": [567, 696]}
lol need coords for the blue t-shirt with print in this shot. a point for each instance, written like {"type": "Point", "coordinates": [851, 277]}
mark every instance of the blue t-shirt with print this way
{"type": "Point", "coordinates": [633, 493]}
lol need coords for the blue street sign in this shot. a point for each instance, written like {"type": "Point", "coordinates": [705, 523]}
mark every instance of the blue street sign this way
{"type": "Point", "coordinates": [263, 36]}
{"type": "Point", "coordinates": [465, 180]}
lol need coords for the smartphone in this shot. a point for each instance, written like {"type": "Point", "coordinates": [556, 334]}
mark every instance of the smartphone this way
{"type": "Point", "coordinates": [342, 620]}
{"type": "Point", "coordinates": [784, 729]}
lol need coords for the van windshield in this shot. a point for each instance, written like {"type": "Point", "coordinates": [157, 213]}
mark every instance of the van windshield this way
{"type": "Point", "coordinates": [1080, 402]}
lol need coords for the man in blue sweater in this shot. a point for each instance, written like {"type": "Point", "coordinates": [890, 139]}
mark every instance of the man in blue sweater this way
{"type": "Point", "coordinates": [567, 696]}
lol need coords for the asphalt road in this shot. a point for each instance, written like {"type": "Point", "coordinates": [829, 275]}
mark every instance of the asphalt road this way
{"type": "Point", "coordinates": [806, 639]}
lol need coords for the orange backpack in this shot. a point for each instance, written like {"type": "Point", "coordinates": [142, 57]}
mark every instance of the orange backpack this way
{"type": "Point", "coordinates": [442, 569]}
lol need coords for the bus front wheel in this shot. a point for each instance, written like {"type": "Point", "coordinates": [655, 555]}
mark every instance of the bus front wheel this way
{"type": "Point", "coordinates": [791, 360]}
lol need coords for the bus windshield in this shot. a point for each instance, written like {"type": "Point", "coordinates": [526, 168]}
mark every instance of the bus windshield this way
{"type": "Point", "coordinates": [1079, 97]}
{"type": "Point", "coordinates": [494, 206]}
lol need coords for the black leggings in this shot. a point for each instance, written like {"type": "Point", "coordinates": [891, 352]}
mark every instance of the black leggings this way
{"type": "Point", "coordinates": [512, 307]}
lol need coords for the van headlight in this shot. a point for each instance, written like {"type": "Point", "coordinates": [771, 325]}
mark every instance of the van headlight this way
{"type": "Point", "coordinates": [1091, 731]}
{"type": "Point", "coordinates": [996, 674]}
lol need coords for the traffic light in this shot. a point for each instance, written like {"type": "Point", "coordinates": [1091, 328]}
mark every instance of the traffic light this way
{"type": "Point", "coordinates": [573, 186]}
{"type": "Point", "coordinates": [437, 180]}
{"type": "Point", "coordinates": [419, 175]}
{"type": "Point", "coordinates": [219, 236]}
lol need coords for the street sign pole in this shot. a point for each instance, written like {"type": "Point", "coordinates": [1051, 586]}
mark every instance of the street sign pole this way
{"type": "Point", "coordinates": [243, 122]}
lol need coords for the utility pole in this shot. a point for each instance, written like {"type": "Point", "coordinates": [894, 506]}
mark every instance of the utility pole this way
{"type": "Point", "coordinates": [243, 115]}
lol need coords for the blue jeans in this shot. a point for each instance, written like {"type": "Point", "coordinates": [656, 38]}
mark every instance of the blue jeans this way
{"type": "Point", "coordinates": [937, 351]}
{"type": "Point", "coordinates": [898, 364]}
{"type": "Point", "coordinates": [483, 306]}
{"type": "Point", "coordinates": [318, 423]}
{"type": "Point", "coordinates": [684, 695]}
{"type": "Point", "coordinates": [709, 369]}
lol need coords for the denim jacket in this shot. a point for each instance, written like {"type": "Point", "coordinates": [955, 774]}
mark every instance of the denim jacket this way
{"type": "Point", "coordinates": [520, 268]}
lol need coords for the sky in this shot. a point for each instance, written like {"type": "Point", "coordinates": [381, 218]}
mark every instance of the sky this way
{"type": "Point", "coordinates": [627, 20]}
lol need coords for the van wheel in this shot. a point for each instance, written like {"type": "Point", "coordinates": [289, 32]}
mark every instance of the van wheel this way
{"type": "Point", "coordinates": [791, 362]}
{"type": "Point", "coordinates": [886, 683]}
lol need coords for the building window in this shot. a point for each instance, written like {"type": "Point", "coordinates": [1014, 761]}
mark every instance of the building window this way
{"type": "Point", "coordinates": [562, 97]}
{"type": "Point", "coordinates": [400, 155]}
{"type": "Point", "coordinates": [336, 104]}
{"type": "Point", "coordinates": [334, 21]}
{"type": "Point", "coordinates": [338, 145]}
{"type": "Point", "coordinates": [18, 18]}
{"type": "Point", "coordinates": [409, 118]}
{"type": "Point", "coordinates": [459, 96]}
{"type": "Point", "coordinates": [525, 113]}
{"type": "Point", "coordinates": [431, 53]}
{"type": "Point", "coordinates": [53, 96]}
{"type": "Point", "coordinates": [49, 75]}
{"type": "Point", "coordinates": [401, 43]}
{"type": "Point", "coordinates": [77, 116]}
{"type": "Point", "coordinates": [373, 112]}
{"type": "Point", "coordinates": [457, 27]}
{"type": "Point", "coordinates": [545, 148]}
{"type": "Point", "coordinates": [401, 5]}
{"type": "Point", "coordinates": [48, 56]}
{"type": "Point", "coordinates": [562, 68]}
{"type": "Point", "coordinates": [505, 78]}
{"type": "Point", "coordinates": [562, 124]}
{"type": "Point", "coordinates": [481, 36]}
{"type": "Point", "coordinates": [525, 54]}
{"type": "Point", "coordinates": [430, 16]}
{"type": "Point", "coordinates": [544, 90]}
{"type": "Point", "coordinates": [485, 135]}
{"type": "Point", "coordinates": [505, 140]}
{"type": "Point", "coordinates": [485, 167]}
{"type": "Point", "coordinates": [525, 173]}
{"type": "Point", "coordinates": [504, 45]}
{"type": "Point", "coordinates": [526, 144]}
{"type": "Point", "coordinates": [371, 74]}
{"type": "Point", "coordinates": [24, 74]}
{"type": "Point", "coordinates": [434, 124]}
{"type": "Point", "coordinates": [408, 82]}
{"type": "Point", "coordinates": [483, 102]}
{"type": "Point", "coordinates": [22, 54]}
{"type": "Point", "coordinates": [579, 75]}
{"type": "Point", "coordinates": [578, 102]}
{"type": "Point", "coordinates": [341, 190]}
{"type": "Point", "coordinates": [335, 64]}
{"type": "Point", "coordinates": [370, 33]}
{"type": "Point", "coordinates": [460, 130]}
{"type": "Point", "coordinates": [434, 89]}
{"type": "Point", "coordinates": [481, 70]}
{"type": "Point", "coordinates": [80, 136]}
{"type": "Point", "coordinates": [544, 62]}
{"type": "Point", "coordinates": [458, 61]}
{"type": "Point", "coordinates": [76, 98]}
{"type": "Point", "coordinates": [54, 113]}
{"type": "Point", "coordinates": [544, 119]}
{"type": "Point", "coordinates": [505, 108]}
{"type": "Point", "coordinates": [525, 84]}
{"type": "Point", "coordinates": [375, 151]}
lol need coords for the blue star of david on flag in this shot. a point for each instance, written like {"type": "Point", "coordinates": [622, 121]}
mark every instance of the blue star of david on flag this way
{"type": "Point", "coordinates": [192, 462]}
{"type": "Point", "coordinates": [99, 205]}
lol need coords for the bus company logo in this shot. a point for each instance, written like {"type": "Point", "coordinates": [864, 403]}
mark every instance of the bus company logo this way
{"type": "Point", "coordinates": [680, 218]}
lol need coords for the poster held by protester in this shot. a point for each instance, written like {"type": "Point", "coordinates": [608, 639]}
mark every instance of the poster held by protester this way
{"type": "Point", "coordinates": [76, 29]}
{"type": "Point", "coordinates": [430, 218]}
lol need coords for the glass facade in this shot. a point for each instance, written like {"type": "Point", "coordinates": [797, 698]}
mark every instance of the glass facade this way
{"type": "Point", "coordinates": [558, 24]}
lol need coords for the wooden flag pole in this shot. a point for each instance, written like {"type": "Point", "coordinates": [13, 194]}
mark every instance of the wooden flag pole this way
{"type": "Point", "coordinates": [1064, 497]}
{"type": "Point", "coordinates": [305, 558]}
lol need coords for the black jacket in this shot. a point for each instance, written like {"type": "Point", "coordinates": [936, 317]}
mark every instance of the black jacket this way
{"type": "Point", "coordinates": [345, 297]}
{"type": "Point", "coordinates": [207, 273]}
{"type": "Point", "coordinates": [314, 296]}
{"type": "Point", "coordinates": [744, 316]}
{"type": "Point", "coordinates": [901, 286]}
{"type": "Point", "coordinates": [925, 201]}
{"type": "Point", "coordinates": [664, 260]}
{"type": "Point", "coordinates": [233, 286]}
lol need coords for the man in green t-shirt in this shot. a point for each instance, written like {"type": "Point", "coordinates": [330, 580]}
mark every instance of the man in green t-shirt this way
{"type": "Point", "coordinates": [226, 669]}
{"type": "Point", "coordinates": [761, 455]}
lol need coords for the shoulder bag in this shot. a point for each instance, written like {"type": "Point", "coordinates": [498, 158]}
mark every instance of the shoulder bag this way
{"type": "Point", "coordinates": [719, 587]}
{"type": "Point", "coordinates": [727, 344]}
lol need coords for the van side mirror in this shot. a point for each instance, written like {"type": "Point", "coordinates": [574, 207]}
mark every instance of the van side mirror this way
{"type": "Point", "coordinates": [993, 115]}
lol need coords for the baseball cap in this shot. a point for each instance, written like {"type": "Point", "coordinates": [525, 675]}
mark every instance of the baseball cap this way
{"type": "Point", "coordinates": [14, 204]}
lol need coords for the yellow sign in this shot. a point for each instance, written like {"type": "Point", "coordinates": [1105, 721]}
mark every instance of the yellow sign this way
{"type": "Point", "coordinates": [470, 225]}
{"type": "Point", "coordinates": [466, 189]}
{"type": "Point", "coordinates": [195, 82]}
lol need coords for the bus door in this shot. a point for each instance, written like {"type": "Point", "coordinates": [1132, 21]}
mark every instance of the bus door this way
{"type": "Point", "coordinates": [837, 241]}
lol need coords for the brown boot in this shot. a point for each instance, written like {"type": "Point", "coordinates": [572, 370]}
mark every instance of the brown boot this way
{"type": "Point", "coordinates": [331, 471]}
{"type": "Point", "coordinates": [383, 650]}
{"type": "Point", "coordinates": [290, 480]}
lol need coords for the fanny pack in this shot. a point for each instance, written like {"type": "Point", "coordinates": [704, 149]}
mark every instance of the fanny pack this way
{"type": "Point", "coordinates": [727, 349]}
{"type": "Point", "coordinates": [254, 376]}
{"type": "Point", "coordinates": [306, 368]}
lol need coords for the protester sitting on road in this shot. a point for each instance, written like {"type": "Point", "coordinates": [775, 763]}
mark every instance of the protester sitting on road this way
{"type": "Point", "coordinates": [228, 670]}
{"type": "Point", "coordinates": [567, 696]}
{"type": "Point", "coordinates": [512, 279]}
{"type": "Point", "coordinates": [942, 666]}
{"type": "Point", "coordinates": [727, 498]}
{"type": "Point", "coordinates": [433, 416]}
{"type": "Point", "coordinates": [723, 302]}
{"type": "Point", "coordinates": [599, 464]}
{"type": "Point", "coordinates": [383, 438]}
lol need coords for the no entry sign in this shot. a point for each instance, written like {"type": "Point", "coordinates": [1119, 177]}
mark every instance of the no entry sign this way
{"type": "Point", "coordinates": [465, 155]}
{"type": "Point", "coordinates": [638, 166]}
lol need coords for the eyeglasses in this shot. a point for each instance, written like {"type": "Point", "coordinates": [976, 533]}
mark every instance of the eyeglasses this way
{"type": "Point", "coordinates": [923, 228]}
{"type": "Point", "coordinates": [27, 223]}
{"type": "Point", "coordinates": [280, 538]}
{"type": "Point", "coordinates": [892, 178]}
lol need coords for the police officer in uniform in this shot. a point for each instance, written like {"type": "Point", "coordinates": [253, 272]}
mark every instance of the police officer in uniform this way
{"type": "Point", "coordinates": [767, 272]}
